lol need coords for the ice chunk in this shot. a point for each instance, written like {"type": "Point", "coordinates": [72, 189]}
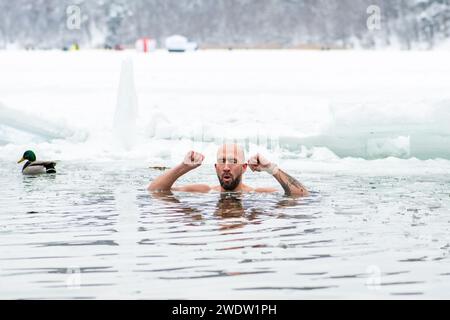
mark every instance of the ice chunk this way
{"type": "Point", "coordinates": [127, 107]}
{"type": "Point", "coordinates": [33, 124]}
{"type": "Point", "coordinates": [389, 147]}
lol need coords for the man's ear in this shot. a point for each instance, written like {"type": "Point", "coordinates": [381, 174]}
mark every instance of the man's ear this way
{"type": "Point", "coordinates": [215, 165]}
{"type": "Point", "coordinates": [244, 167]}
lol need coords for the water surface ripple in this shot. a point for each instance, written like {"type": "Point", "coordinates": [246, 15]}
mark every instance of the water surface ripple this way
{"type": "Point", "coordinates": [93, 232]}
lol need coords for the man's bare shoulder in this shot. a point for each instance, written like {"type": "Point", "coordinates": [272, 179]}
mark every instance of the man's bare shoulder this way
{"type": "Point", "coordinates": [265, 190]}
{"type": "Point", "coordinates": [202, 188]}
{"type": "Point", "coordinates": [249, 189]}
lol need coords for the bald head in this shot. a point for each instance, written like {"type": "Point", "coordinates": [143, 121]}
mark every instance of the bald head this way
{"type": "Point", "coordinates": [232, 153]}
{"type": "Point", "coordinates": [230, 166]}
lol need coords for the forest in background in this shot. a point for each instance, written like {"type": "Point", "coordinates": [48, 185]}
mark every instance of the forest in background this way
{"type": "Point", "coordinates": [404, 24]}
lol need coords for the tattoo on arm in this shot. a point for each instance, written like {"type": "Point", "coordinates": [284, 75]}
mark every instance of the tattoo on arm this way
{"type": "Point", "coordinates": [288, 183]}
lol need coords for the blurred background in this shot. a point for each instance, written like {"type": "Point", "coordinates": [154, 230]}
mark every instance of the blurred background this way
{"type": "Point", "coordinates": [323, 24]}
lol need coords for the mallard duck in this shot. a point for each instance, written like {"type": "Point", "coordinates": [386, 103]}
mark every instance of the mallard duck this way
{"type": "Point", "coordinates": [36, 167]}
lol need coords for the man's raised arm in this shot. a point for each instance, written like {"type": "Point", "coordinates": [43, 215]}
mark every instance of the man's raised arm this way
{"type": "Point", "coordinates": [289, 184]}
{"type": "Point", "coordinates": [165, 182]}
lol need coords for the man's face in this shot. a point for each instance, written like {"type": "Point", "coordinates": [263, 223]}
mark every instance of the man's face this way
{"type": "Point", "coordinates": [230, 166]}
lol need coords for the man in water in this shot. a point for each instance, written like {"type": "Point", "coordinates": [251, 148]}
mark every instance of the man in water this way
{"type": "Point", "coordinates": [230, 167]}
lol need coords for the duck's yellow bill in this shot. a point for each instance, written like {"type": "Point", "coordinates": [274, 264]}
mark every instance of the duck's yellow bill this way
{"type": "Point", "coordinates": [21, 160]}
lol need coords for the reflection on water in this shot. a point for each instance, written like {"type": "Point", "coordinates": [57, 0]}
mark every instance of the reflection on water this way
{"type": "Point", "coordinates": [230, 206]}
{"type": "Point", "coordinates": [95, 232]}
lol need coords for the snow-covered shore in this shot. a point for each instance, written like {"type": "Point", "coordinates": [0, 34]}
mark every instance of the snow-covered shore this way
{"type": "Point", "coordinates": [355, 104]}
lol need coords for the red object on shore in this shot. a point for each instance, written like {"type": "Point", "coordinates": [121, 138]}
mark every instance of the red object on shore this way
{"type": "Point", "coordinates": [145, 45]}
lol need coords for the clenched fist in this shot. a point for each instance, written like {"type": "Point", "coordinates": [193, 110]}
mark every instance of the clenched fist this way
{"type": "Point", "coordinates": [193, 159]}
{"type": "Point", "coordinates": [259, 163]}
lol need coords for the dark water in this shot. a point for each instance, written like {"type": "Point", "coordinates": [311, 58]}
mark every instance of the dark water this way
{"type": "Point", "coordinates": [93, 231]}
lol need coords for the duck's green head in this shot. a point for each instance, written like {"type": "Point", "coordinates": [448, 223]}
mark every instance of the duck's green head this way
{"type": "Point", "coordinates": [28, 155]}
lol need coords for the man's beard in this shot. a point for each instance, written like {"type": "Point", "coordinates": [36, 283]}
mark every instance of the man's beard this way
{"type": "Point", "coordinates": [230, 186]}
